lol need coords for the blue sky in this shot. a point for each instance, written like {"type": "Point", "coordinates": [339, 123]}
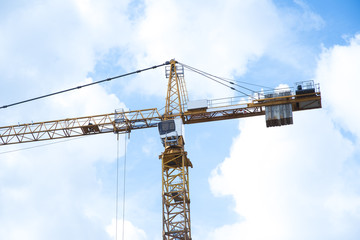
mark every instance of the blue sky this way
{"type": "Point", "coordinates": [295, 182]}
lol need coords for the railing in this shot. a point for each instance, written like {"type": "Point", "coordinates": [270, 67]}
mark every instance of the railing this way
{"type": "Point", "coordinates": [245, 100]}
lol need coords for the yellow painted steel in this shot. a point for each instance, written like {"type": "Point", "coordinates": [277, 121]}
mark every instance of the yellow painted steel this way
{"type": "Point", "coordinates": [252, 108]}
{"type": "Point", "coordinates": [176, 93]}
{"type": "Point", "coordinates": [175, 192]}
{"type": "Point", "coordinates": [74, 127]}
{"type": "Point", "coordinates": [175, 166]}
{"type": "Point", "coordinates": [145, 118]}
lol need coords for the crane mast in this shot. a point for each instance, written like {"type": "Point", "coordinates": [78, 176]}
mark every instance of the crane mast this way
{"type": "Point", "coordinates": [277, 106]}
{"type": "Point", "coordinates": [174, 161]}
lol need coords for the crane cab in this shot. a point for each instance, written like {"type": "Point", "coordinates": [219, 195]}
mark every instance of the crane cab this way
{"type": "Point", "coordinates": [170, 131]}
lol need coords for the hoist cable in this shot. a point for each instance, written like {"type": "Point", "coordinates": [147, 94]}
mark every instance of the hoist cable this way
{"type": "Point", "coordinates": [124, 187]}
{"type": "Point", "coordinates": [85, 85]}
{"type": "Point", "coordinates": [117, 186]}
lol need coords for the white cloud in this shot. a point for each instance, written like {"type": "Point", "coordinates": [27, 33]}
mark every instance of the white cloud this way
{"type": "Point", "coordinates": [51, 192]}
{"type": "Point", "coordinates": [131, 231]}
{"type": "Point", "coordinates": [87, 101]}
{"type": "Point", "coordinates": [310, 20]}
{"type": "Point", "coordinates": [57, 191]}
{"type": "Point", "coordinates": [220, 37]}
{"type": "Point", "coordinates": [299, 181]}
{"type": "Point", "coordinates": [338, 71]}
{"type": "Point", "coordinates": [39, 35]}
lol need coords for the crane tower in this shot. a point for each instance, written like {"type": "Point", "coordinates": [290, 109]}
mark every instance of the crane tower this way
{"type": "Point", "coordinates": [174, 161]}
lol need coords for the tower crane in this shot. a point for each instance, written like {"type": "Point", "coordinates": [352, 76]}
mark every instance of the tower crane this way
{"type": "Point", "coordinates": [277, 106]}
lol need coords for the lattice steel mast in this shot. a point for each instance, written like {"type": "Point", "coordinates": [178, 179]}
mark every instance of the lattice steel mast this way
{"type": "Point", "coordinates": [174, 160]}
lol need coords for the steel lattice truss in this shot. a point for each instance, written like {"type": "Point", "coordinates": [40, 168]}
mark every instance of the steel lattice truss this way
{"type": "Point", "coordinates": [74, 127]}
{"type": "Point", "coordinates": [145, 118]}
{"type": "Point", "coordinates": [176, 198]}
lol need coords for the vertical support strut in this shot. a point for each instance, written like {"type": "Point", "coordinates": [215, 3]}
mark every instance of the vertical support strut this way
{"type": "Point", "coordinates": [175, 163]}
{"type": "Point", "coordinates": [176, 94]}
{"type": "Point", "coordinates": [175, 193]}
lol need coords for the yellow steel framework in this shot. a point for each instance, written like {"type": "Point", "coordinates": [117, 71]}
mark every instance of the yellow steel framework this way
{"type": "Point", "coordinates": [74, 127]}
{"type": "Point", "coordinates": [175, 163]}
{"type": "Point", "coordinates": [176, 94]}
{"type": "Point", "coordinates": [175, 192]}
{"type": "Point", "coordinates": [145, 118]}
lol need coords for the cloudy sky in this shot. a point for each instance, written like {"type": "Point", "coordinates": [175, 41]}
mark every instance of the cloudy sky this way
{"type": "Point", "coordinates": [248, 182]}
